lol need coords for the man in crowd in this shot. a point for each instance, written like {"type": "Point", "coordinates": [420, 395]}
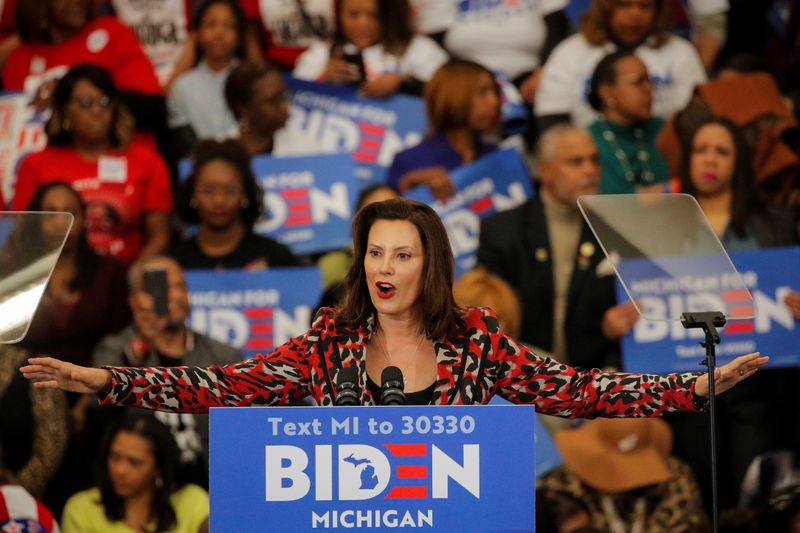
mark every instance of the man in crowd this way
{"type": "Point", "coordinates": [548, 254]}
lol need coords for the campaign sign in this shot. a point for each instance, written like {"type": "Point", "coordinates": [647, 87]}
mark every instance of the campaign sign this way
{"type": "Point", "coordinates": [21, 132]}
{"type": "Point", "coordinates": [328, 118]}
{"type": "Point", "coordinates": [308, 201]}
{"type": "Point", "coordinates": [666, 346]}
{"type": "Point", "coordinates": [253, 311]}
{"type": "Point", "coordinates": [493, 183]}
{"type": "Point", "coordinates": [436, 468]}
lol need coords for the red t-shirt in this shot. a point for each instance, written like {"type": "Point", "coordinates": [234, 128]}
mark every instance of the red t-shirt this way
{"type": "Point", "coordinates": [104, 42]}
{"type": "Point", "coordinates": [119, 189]}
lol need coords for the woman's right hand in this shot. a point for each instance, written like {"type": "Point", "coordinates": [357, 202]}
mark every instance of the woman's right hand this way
{"type": "Point", "coordinates": [50, 373]}
{"type": "Point", "coordinates": [338, 71]}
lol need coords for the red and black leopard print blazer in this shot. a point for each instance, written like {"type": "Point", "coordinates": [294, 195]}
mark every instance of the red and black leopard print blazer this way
{"type": "Point", "coordinates": [472, 367]}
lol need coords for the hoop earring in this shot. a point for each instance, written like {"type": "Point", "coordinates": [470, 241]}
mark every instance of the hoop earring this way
{"type": "Point", "coordinates": [159, 482]}
{"type": "Point", "coordinates": [193, 203]}
{"type": "Point", "coordinates": [66, 125]}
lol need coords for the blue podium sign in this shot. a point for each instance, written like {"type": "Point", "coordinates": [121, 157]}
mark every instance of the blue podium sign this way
{"type": "Point", "coordinates": [448, 468]}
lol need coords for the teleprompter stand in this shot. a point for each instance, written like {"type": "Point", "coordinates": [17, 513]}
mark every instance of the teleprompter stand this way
{"type": "Point", "coordinates": [709, 321]}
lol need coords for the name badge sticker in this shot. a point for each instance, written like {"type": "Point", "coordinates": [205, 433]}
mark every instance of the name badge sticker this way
{"type": "Point", "coordinates": [112, 169]}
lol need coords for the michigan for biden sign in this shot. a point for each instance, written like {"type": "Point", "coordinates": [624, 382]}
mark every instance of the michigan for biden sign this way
{"type": "Point", "coordinates": [433, 468]}
{"type": "Point", "coordinates": [665, 346]}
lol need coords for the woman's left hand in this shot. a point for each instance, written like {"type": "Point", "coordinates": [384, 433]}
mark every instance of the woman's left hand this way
{"type": "Point", "coordinates": [728, 375]}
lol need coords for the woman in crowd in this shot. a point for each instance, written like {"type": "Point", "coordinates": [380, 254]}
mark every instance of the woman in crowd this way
{"type": "Point", "coordinates": [399, 301]}
{"type": "Point", "coordinates": [463, 103]}
{"type": "Point", "coordinates": [374, 47]}
{"type": "Point", "coordinates": [716, 169]}
{"type": "Point", "coordinates": [86, 297]}
{"type": "Point", "coordinates": [625, 131]}
{"type": "Point", "coordinates": [125, 185]}
{"type": "Point", "coordinates": [256, 95]}
{"type": "Point", "coordinates": [642, 27]}
{"type": "Point", "coordinates": [59, 34]}
{"type": "Point", "coordinates": [196, 101]}
{"type": "Point", "coordinates": [222, 197]}
{"type": "Point", "coordinates": [136, 489]}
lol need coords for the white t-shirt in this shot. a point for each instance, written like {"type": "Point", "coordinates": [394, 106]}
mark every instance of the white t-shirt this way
{"type": "Point", "coordinates": [420, 60]}
{"type": "Point", "coordinates": [700, 8]}
{"type": "Point", "coordinates": [674, 68]}
{"type": "Point", "coordinates": [161, 27]}
{"type": "Point", "coordinates": [432, 16]}
{"type": "Point", "coordinates": [503, 36]}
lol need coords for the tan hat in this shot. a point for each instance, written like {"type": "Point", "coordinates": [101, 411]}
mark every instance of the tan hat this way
{"type": "Point", "coordinates": [617, 454]}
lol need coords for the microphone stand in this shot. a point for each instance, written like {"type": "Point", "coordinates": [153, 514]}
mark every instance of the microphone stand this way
{"type": "Point", "coordinates": [709, 321]}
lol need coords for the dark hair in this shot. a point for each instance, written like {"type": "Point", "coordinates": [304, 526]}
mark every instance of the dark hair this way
{"type": "Point", "coordinates": [366, 191]}
{"type": "Point", "coordinates": [605, 73]}
{"type": "Point", "coordinates": [121, 120]}
{"type": "Point", "coordinates": [448, 94]}
{"type": "Point", "coordinates": [440, 316]}
{"type": "Point", "coordinates": [239, 85]}
{"type": "Point", "coordinates": [394, 18]}
{"type": "Point", "coordinates": [747, 199]}
{"type": "Point", "coordinates": [241, 25]}
{"type": "Point", "coordinates": [87, 259]}
{"type": "Point", "coordinates": [32, 20]}
{"type": "Point", "coordinates": [232, 152]}
{"type": "Point", "coordinates": [595, 22]}
{"type": "Point", "coordinates": [166, 455]}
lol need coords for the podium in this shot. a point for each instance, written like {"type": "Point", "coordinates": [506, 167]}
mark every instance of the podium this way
{"type": "Point", "coordinates": [435, 468]}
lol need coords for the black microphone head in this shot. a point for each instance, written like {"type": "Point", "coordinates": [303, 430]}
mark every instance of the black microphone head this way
{"type": "Point", "coordinates": [392, 386]}
{"type": "Point", "coordinates": [347, 387]}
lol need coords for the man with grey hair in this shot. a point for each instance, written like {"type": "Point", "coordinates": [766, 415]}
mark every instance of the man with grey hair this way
{"type": "Point", "coordinates": [154, 340]}
{"type": "Point", "coordinates": [548, 254]}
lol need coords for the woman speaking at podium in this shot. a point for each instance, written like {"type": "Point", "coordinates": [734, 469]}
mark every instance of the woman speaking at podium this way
{"type": "Point", "coordinates": [398, 312]}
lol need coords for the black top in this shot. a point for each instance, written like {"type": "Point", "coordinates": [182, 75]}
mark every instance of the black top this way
{"type": "Point", "coordinates": [420, 397]}
{"type": "Point", "coordinates": [253, 251]}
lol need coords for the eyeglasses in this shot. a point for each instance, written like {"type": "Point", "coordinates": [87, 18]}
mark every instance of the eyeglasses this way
{"type": "Point", "coordinates": [87, 102]}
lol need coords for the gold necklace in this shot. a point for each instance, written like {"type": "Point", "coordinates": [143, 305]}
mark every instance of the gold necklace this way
{"type": "Point", "coordinates": [389, 360]}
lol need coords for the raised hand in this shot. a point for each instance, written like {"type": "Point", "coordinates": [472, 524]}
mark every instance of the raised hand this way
{"type": "Point", "coordinates": [728, 375]}
{"type": "Point", "coordinates": [50, 373]}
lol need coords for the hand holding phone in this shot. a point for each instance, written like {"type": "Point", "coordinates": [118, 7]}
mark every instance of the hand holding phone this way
{"type": "Point", "coordinates": [155, 284]}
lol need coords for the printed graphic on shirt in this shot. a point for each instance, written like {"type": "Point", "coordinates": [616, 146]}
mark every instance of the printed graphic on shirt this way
{"type": "Point", "coordinates": [161, 26]}
{"type": "Point", "coordinates": [494, 10]}
{"type": "Point", "coordinates": [289, 26]}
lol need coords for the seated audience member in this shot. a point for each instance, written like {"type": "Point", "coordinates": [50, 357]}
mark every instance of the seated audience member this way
{"type": "Point", "coordinates": [462, 103]}
{"type": "Point", "coordinates": [125, 185]}
{"type": "Point", "coordinates": [136, 487]}
{"type": "Point", "coordinates": [641, 26]}
{"type": "Point", "coordinates": [34, 428]}
{"type": "Point", "coordinates": [625, 131]}
{"type": "Point", "coordinates": [196, 101]}
{"type": "Point", "coordinates": [152, 340]}
{"type": "Point", "coordinates": [57, 35]}
{"type": "Point", "coordinates": [716, 170]}
{"type": "Point", "coordinates": [334, 265]}
{"type": "Point", "coordinates": [512, 38]}
{"type": "Point", "coordinates": [621, 472]}
{"type": "Point", "coordinates": [479, 288]}
{"type": "Point", "coordinates": [288, 28]}
{"type": "Point", "coordinates": [222, 198]}
{"type": "Point", "coordinates": [85, 298]}
{"type": "Point", "coordinates": [373, 46]}
{"type": "Point", "coordinates": [545, 250]}
{"type": "Point", "coordinates": [746, 94]}
{"type": "Point", "coordinates": [19, 511]}
{"type": "Point", "coordinates": [256, 95]}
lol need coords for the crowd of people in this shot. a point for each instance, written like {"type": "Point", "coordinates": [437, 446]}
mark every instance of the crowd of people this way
{"type": "Point", "coordinates": [622, 96]}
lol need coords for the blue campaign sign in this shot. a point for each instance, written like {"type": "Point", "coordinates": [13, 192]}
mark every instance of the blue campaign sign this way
{"type": "Point", "coordinates": [253, 311]}
{"type": "Point", "coordinates": [328, 118]}
{"type": "Point", "coordinates": [308, 201]}
{"type": "Point", "coordinates": [665, 346]}
{"type": "Point", "coordinates": [372, 468]}
{"type": "Point", "coordinates": [493, 183]}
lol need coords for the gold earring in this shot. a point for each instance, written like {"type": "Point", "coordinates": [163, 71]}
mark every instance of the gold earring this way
{"type": "Point", "coordinates": [66, 125]}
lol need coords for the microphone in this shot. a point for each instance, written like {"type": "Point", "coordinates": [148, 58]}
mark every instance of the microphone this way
{"type": "Point", "coordinates": [392, 386]}
{"type": "Point", "coordinates": [347, 387]}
